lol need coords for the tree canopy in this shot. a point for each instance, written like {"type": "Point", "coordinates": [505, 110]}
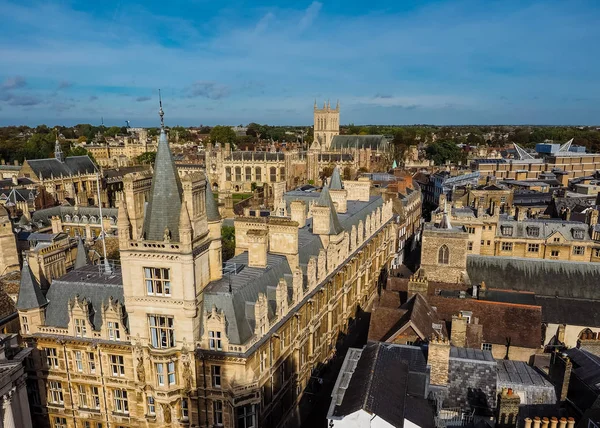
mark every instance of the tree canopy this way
{"type": "Point", "coordinates": [443, 151]}
{"type": "Point", "coordinates": [222, 134]}
{"type": "Point", "coordinates": [147, 158]}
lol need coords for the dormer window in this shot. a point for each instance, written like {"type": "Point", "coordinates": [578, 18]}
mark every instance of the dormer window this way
{"type": "Point", "coordinates": [533, 231]}
{"type": "Point", "coordinates": [578, 233]}
{"type": "Point", "coordinates": [114, 333]}
{"type": "Point", "coordinates": [214, 340]}
{"type": "Point", "coordinates": [507, 230]}
{"type": "Point", "coordinates": [80, 327]}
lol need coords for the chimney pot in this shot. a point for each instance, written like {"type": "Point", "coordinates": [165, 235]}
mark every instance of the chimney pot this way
{"type": "Point", "coordinates": [527, 422]}
{"type": "Point", "coordinates": [562, 423]}
{"type": "Point", "coordinates": [570, 423]}
{"type": "Point", "coordinates": [536, 422]}
{"type": "Point", "coordinates": [545, 422]}
{"type": "Point", "coordinates": [553, 422]}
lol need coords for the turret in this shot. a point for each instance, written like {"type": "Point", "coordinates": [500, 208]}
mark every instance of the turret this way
{"type": "Point", "coordinates": [31, 302]}
{"type": "Point", "coordinates": [185, 229]}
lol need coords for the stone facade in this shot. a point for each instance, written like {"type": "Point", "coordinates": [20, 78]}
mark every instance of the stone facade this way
{"type": "Point", "coordinates": [327, 124]}
{"type": "Point", "coordinates": [166, 340]}
{"type": "Point", "coordinates": [436, 267]}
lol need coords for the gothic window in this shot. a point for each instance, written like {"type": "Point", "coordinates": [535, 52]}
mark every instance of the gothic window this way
{"type": "Point", "coordinates": [238, 173]}
{"type": "Point", "coordinates": [248, 173]}
{"type": "Point", "coordinates": [228, 173]}
{"type": "Point", "coordinates": [443, 255]}
{"type": "Point", "coordinates": [282, 173]}
{"type": "Point", "coordinates": [151, 406]}
{"type": "Point", "coordinates": [258, 173]}
{"type": "Point", "coordinates": [273, 174]}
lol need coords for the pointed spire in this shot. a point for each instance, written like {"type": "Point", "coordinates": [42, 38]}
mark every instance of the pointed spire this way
{"type": "Point", "coordinates": [81, 260]}
{"type": "Point", "coordinates": [328, 104]}
{"type": "Point", "coordinates": [335, 228]}
{"type": "Point", "coordinates": [30, 293]}
{"type": "Point", "coordinates": [337, 107]}
{"type": "Point", "coordinates": [58, 153]}
{"type": "Point", "coordinates": [324, 105]}
{"type": "Point", "coordinates": [445, 222]}
{"type": "Point", "coordinates": [161, 113]}
{"type": "Point", "coordinates": [165, 194]}
{"type": "Point", "coordinates": [212, 211]}
{"type": "Point", "coordinates": [315, 103]}
{"type": "Point", "coordinates": [335, 182]}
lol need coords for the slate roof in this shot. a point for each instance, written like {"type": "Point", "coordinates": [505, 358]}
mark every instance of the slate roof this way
{"type": "Point", "coordinates": [82, 259]}
{"type": "Point", "coordinates": [164, 206]}
{"type": "Point", "coordinates": [472, 354]}
{"type": "Point", "coordinates": [374, 142]}
{"type": "Point", "coordinates": [212, 211]}
{"type": "Point", "coordinates": [45, 216]}
{"type": "Point", "coordinates": [238, 306]}
{"type": "Point", "coordinates": [545, 229]}
{"type": "Point", "coordinates": [559, 310]}
{"type": "Point", "coordinates": [335, 183]}
{"type": "Point", "coordinates": [519, 373]}
{"type": "Point", "coordinates": [324, 200]}
{"type": "Point", "coordinates": [379, 386]}
{"type": "Point", "coordinates": [52, 167]}
{"type": "Point", "coordinates": [30, 294]}
{"type": "Point", "coordinates": [586, 366]}
{"type": "Point", "coordinates": [543, 277]}
{"type": "Point", "coordinates": [89, 282]}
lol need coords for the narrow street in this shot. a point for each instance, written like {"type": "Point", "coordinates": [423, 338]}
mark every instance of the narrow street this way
{"type": "Point", "coordinates": [315, 404]}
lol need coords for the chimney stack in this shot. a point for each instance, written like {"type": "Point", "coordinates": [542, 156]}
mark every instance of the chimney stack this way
{"type": "Point", "coordinates": [459, 331]}
{"type": "Point", "coordinates": [258, 242]}
{"type": "Point", "coordinates": [298, 212]}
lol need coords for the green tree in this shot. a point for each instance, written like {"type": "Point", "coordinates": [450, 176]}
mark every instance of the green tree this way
{"type": "Point", "coordinates": [443, 151]}
{"type": "Point", "coordinates": [147, 158]}
{"type": "Point", "coordinates": [222, 134]}
{"type": "Point", "coordinates": [113, 131]}
{"type": "Point", "coordinates": [80, 151]}
{"type": "Point", "coordinates": [227, 242]}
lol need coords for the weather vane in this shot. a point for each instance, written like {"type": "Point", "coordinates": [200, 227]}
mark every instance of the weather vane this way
{"type": "Point", "coordinates": [161, 113]}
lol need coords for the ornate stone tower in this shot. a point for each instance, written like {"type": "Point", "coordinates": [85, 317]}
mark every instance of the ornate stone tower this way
{"type": "Point", "coordinates": [327, 124]}
{"type": "Point", "coordinates": [166, 264]}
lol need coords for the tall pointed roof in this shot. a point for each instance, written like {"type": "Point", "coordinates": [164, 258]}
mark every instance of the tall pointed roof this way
{"type": "Point", "coordinates": [212, 211]}
{"type": "Point", "coordinates": [58, 153]}
{"type": "Point", "coordinates": [164, 205]}
{"type": "Point", "coordinates": [81, 260]}
{"type": "Point", "coordinates": [30, 294]}
{"type": "Point", "coordinates": [335, 183]}
{"type": "Point", "coordinates": [335, 228]}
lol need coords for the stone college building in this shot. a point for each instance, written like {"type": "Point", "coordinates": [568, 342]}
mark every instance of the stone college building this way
{"type": "Point", "coordinates": [172, 338]}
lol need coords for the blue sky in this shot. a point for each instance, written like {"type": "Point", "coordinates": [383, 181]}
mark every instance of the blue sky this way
{"type": "Point", "coordinates": [222, 62]}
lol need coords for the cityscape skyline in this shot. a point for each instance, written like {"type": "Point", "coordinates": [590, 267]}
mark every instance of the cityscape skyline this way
{"type": "Point", "coordinates": [434, 62]}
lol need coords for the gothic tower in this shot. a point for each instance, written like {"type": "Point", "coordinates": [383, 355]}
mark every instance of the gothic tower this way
{"type": "Point", "coordinates": [166, 264]}
{"type": "Point", "coordinates": [327, 124]}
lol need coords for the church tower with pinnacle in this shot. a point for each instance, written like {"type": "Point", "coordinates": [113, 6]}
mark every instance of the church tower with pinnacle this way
{"type": "Point", "coordinates": [327, 124]}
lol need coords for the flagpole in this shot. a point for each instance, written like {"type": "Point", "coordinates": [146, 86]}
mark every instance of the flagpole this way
{"type": "Point", "coordinates": [102, 234]}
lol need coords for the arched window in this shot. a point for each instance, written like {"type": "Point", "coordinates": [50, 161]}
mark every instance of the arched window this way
{"type": "Point", "coordinates": [282, 173]}
{"type": "Point", "coordinates": [238, 173]}
{"type": "Point", "coordinates": [228, 173]}
{"type": "Point", "coordinates": [258, 174]}
{"type": "Point", "coordinates": [248, 173]}
{"type": "Point", "coordinates": [443, 255]}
